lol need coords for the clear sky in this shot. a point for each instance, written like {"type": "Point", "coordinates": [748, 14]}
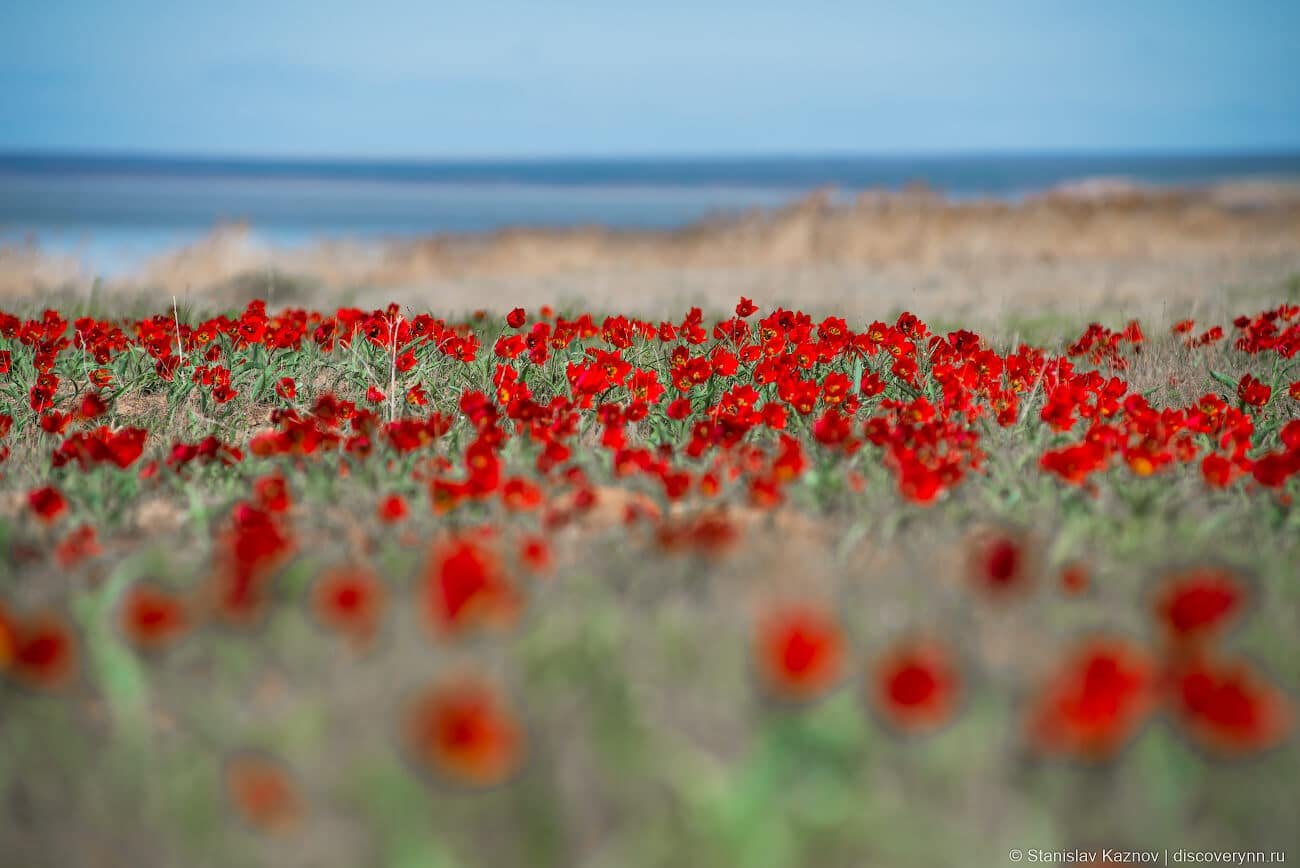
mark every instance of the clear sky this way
{"type": "Point", "coordinates": [638, 77]}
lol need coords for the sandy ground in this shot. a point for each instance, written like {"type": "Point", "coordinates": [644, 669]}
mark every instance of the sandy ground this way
{"type": "Point", "coordinates": [1090, 247]}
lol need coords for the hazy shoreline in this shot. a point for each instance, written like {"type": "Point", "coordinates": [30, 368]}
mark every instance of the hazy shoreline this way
{"type": "Point", "coordinates": [1101, 240]}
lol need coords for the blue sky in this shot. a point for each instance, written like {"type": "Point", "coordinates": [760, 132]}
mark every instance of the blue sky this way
{"type": "Point", "coordinates": [532, 78]}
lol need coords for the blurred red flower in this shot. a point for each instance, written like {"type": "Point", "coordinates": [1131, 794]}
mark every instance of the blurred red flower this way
{"type": "Point", "coordinates": [92, 406]}
{"type": "Point", "coordinates": [462, 730]}
{"type": "Point", "coordinates": [465, 587]}
{"type": "Point", "coordinates": [1094, 701]}
{"type": "Point", "coordinates": [1075, 578]}
{"type": "Point", "coordinates": [392, 508]}
{"type": "Point", "coordinates": [263, 793]}
{"type": "Point", "coordinates": [799, 652]}
{"type": "Point", "coordinates": [1193, 604]}
{"type": "Point", "coordinates": [1227, 707]}
{"type": "Point", "coordinates": [79, 544]}
{"type": "Point", "coordinates": [8, 638]}
{"type": "Point", "coordinates": [44, 651]}
{"type": "Point", "coordinates": [915, 687]}
{"type": "Point", "coordinates": [1000, 563]}
{"type": "Point", "coordinates": [272, 493]}
{"type": "Point", "coordinates": [55, 422]}
{"type": "Point", "coordinates": [252, 547]}
{"type": "Point", "coordinates": [535, 554]}
{"type": "Point", "coordinates": [152, 618]}
{"type": "Point", "coordinates": [1217, 470]}
{"type": "Point", "coordinates": [48, 503]}
{"type": "Point", "coordinates": [350, 600]}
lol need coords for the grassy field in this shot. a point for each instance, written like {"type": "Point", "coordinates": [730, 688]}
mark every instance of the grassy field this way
{"type": "Point", "coordinates": [376, 587]}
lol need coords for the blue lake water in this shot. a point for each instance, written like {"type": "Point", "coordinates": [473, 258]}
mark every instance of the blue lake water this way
{"type": "Point", "coordinates": [114, 211]}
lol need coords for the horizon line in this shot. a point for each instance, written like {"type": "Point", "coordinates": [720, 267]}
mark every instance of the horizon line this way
{"type": "Point", "coordinates": [667, 156]}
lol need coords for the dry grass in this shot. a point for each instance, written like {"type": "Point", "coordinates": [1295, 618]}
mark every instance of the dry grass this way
{"type": "Point", "coordinates": [1068, 254]}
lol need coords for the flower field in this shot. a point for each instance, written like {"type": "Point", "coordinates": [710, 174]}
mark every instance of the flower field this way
{"type": "Point", "coordinates": [301, 587]}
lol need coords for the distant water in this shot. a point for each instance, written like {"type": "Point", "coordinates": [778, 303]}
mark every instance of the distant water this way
{"type": "Point", "coordinates": [116, 211]}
